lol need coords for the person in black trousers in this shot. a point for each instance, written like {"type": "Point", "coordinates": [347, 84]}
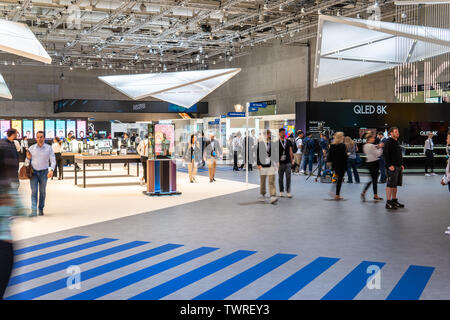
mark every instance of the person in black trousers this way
{"type": "Point", "coordinates": [373, 153]}
{"type": "Point", "coordinates": [338, 159]}
{"type": "Point", "coordinates": [394, 164]}
{"type": "Point", "coordinates": [57, 150]}
{"type": "Point", "coordinates": [429, 155]}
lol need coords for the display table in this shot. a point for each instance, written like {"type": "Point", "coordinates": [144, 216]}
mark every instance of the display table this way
{"type": "Point", "coordinates": [83, 160]}
{"type": "Point", "coordinates": [161, 177]}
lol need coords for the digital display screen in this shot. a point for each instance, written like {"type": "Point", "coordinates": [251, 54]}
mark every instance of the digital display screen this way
{"type": "Point", "coordinates": [164, 138]}
{"type": "Point", "coordinates": [81, 129]}
{"type": "Point", "coordinates": [49, 129]}
{"type": "Point", "coordinates": [17, 124]}
{"type": "Point", "coordinates": [71, 127]}
{"type": "Point", "coordinates": [4, 125]}
{"type": "Point", "coordinates": [38, 126]}
{"type": "Point", "coordinates": [418, 132]}
{"type": "Point", "coordinates": [61, 128]}
{"type": "Point", "coordinates": [28, 129]}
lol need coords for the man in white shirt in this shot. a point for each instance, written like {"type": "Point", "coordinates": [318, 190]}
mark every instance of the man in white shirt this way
{"type": "Point", "coordinates": [298, 154]}
{"type": "Point", "coordinates": [236, 149]}
{"type": "Point", "coordinates": [142, 150]}
{"type": "Point", "coordinates": [429, 155]}
{"type": "Point", "coordinates": [39, 156]}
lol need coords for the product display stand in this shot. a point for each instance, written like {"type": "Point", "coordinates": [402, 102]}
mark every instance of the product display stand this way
{"type": "Point", "coordinates": [161, 177]}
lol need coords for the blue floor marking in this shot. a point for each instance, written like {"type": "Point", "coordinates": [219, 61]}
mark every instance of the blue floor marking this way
{"type": "Point", "coordinates": [232, 285]}
{"type": "Point", "coordinates": [140, 275]}
{"type": "Point", "coordinates": [349, 287]}
{"type": "Point", "coordinates": [62, 252]}
{"type": "Point", "coordinates": [47, 245]}
{"type": "Point", "coordinates": [412, 283]}
{"type": "Point", "coordinates": [195, 275]}
{"type": "Point", "coordinates": [296, 282]}
{"type": "Point", "coordinates": [77, 261]}
{"type": "Point", "coordinates": [92, 273]}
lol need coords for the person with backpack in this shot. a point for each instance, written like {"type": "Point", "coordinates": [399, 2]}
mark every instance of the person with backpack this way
{"type": "Point", "coordinates": [297, 150]}
{"type": "Point", "coordinates": [308, 152]}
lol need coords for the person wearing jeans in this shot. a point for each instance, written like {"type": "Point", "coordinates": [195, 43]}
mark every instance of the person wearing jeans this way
{"type": "Point", "coordinates": [308, 153]}
{"type": "Point", "coordinates": [351, 161]}
{"type": "Point", "coordinates": [286, 160]}
{"type": "Point", "coordinates": [322, 154]}
{"type": "Point", "coordinates": [39, 156]}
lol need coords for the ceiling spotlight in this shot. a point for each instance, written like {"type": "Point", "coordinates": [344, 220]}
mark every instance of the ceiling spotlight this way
{"type": "Point", "coordinates": [230, 58]}
{"type": "Point", "coordinates": [61, 76]}
{"type": "Point", "coordinates": [121, 39]}
{"type": "Point", "coordinates": [404, 15]}
{"type": "Point", "coordinates": [200, 49]}
{"type": "Point", "coordinates": [13, 63]}
{"type": "Point", "coordinates": [302, 10]}
{"type": "Point", "coordinates": [71, 68]}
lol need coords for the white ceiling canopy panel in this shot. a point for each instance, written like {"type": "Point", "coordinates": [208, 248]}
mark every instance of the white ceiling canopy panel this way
{"type": "Point", "coordinates": [182, 88]}
{"type": "Point", "coordinates": [17, 38]}
{"type": "Point", "coordinates": [348, 48]}
{"type": "Point", "coordinates": [4, 91]}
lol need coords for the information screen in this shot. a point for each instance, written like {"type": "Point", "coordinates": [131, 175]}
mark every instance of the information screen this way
{"type": "Point", "coordinates": [38, 126]}
{"type": "Point", "coordinates": [4, 125]}
{"type": "Point", "coordinates": [161, 131]}
{"type": "Point", "coordinates": [71, 127]}
{"type": "Point", "coordinates": [17, 124]}
{"type": "Point", "coordinates": [49, 129]}
{"type": "Point", "coordinates": [81, 129]}
{"type": "Point", "coordinates": [28, 129]}
{"type": "Point", "coordinates": [61, 128]}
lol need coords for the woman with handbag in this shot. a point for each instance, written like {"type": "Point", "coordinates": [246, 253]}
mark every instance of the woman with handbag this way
{"type": "Point", "coordinates": [352, 149]}
{"type": "Point", "coordinates": [191, 157]}
{"type": "Point", "coordinates": [338, 158]}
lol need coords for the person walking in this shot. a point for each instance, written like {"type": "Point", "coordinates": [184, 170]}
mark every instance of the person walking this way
{"type": "Point", "coordinates": [308, 153]}
{"type": "Point", "coordinates": [212, 152]}
{"type": "Point", "coordinates": [428, 150]}
{"type": "Point", "coordinates": [373, 153]}
{"type": "Point", "coordinates": [394, 165]}
{"type": "Point", "coordinates": [236, 150]}
{"type": "Point", "coordinates": [382, 164]}
{"type": "Point", "coordinates": [9, 166]}
{"type": "Point", "coordinates": [142, 150]}
{"type": "Point", "coordinates": [286, 160]}
{"type": "Point", "coordinates": [352, 148]}
{"type": "Point", "coordinates": [298, 154]}
{"type": "Point", "coordinates": [57, 150]}
{"type": "Point", "coordinates": [24, 148]}
{"type": "Point", "coordinates": [266, 167]}
{"type": "Point", "coordinates": [191, 157]}
{"type": "Point", "coordinates": [39, 156]}
{"type": "Point", "coordinates": [338, 158]}
{"type": "Point", "coordinates": [248, 149]}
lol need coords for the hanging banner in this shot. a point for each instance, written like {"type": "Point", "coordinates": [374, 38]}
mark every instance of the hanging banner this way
{"type": "Point", "coordinates": [17, 124]}
{"type": "Point", "coordinates": [4, 125]}
{"type": "Point", "coordinates": [49, 129]}
{"type": "Point", "coordinates": [71, 127]}
{"type": "Point", "coordinates": [81, 129]}
{"type": "Point", "coordinates": [61, 128]}
{"type": "Point", "coordinates": [28, 129]}
{"type": "Point", "coordinates": [38, 126]}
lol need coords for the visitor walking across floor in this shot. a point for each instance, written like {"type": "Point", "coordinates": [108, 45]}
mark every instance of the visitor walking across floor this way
{"type": "Point", "coordinates": [338, 158]}
{"type": "Point", "coordinates": [265, 154]}
{"type": "Point", "coordinates": [142, 150]}
{"type": "Point", "coordinates": [352, 149]}
{"type": "Point", "coordinates": [192, 158]}
{"type": "Point", "coordinates": [381, 139]}
{"type": "Point", "coordinates": [23, 148]}
{"type": "Point", "coordinates": [428, 150]}
{"type": "Point", "coordinates": [394, 165]}
{"type": "Point", "coordinates": [322, 153]}
{"type": "Point", "coordinates": [237, 146]}
{"type": "Point", "coordinates": [308, 153]}
{"type": "Point", "coordinates": [39, 156]}
{"type": "Point", "coordinates": [212, 152]}
{"type": "Point", "coordinates": [57, 150]}
{"type": "Point", "coordinates": [286, 160]}
{"type": "Point", "coordinates": [298, 168]}
{"type": "Point", "coordinates": [373, 153]}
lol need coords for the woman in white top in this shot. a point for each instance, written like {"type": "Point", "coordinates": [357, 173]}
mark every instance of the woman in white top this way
{"type": "Point", "coordinates": [57, 149]}
{"type": "Point", "coordinates": [24, 147]}
{"type": "Point", "coordinates": [373, 153]}
{"type": "Point", "coordinates": [142, 150]}
{"type": "Point", "coordinates": [429, 155]}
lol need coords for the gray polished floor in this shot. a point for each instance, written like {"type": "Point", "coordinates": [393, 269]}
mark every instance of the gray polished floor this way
{"type": "Point", "coordinates": [310, 225]}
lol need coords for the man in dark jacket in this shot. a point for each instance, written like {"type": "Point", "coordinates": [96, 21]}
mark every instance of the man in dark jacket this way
{"type": "Point", "coordinates": [394, 168]}
{"type": "Point", "coordinates": [9, 164]}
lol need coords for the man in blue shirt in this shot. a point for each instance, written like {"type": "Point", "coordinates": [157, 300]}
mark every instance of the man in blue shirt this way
{"type": "Point", "coordinates": [321, 155]}
{"type": "Point", "coordinates": [40, 155]}
{"type": "Point", "coordinates": [308, 152]}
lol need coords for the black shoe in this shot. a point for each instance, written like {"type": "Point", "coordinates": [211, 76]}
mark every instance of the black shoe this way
{"type": "Point", "coordinates": [397, 204]}
{"type": "Point", "coordinates": [390, 205]}
{"type": "Point", "coordinates": [214, 179]}
{"type": "Point", "coordinates": [363, 197]}
{"type": "Point", "coordinates": [41, 212]}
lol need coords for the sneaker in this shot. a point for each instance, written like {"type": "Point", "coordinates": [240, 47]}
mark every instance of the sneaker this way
{"type": "Point", "coordinates": [433, 174]}
{"type": "Point", "coordinates": [262, 198]}
{"type": "Point", "coordinates": [390, 205]}
{"type": "Point", "coordinates": [289, 195]}
{"type": "Point", "coordinates": [41, 212]}
{"type": "Point", "coordinates": [273, 200]}
{"type": "Point", "coordinates": [301, 172]}
{"type": "Point", "coordinates": [397, 204]}
{"type": "Point", "coordinates": [282, 195]}
{"type": "Point", "coordinates": [427, 175]}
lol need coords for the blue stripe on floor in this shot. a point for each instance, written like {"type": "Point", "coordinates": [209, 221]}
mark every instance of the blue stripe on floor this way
{"type": "Point", "coordinates": [243, 279]}
{"type": "Point", "coordinates": [62, 252]}
{"type": "Point", "coordinates": [77, 261]}
{"type": "Point", "coordinates": [412, 283]}
{"type": "Point", "coordinates": [92, 273]}
{"type": "Point", "coordinates": [140, 275]}
{"type": "Point", "coordinates": [353, 283]}
{"type": "Point", "coordinates": [299, 280]}
{"type": "Point", "coordinates": [195, 275]}
{"type": "Point", "coordinates": [47, 244]}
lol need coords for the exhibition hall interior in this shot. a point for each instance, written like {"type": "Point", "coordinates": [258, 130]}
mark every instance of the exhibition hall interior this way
{"type": "Point", "coordinates": [224, 150]}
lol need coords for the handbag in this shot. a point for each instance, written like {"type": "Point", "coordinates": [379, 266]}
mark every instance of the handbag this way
{"type": "Point", "coordinates": [26, 172]}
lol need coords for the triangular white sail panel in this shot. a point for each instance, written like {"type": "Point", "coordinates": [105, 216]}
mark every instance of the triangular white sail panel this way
{"type": "Point", "coordinates": [348, 48]}
{"type": "Point", "coordinates": [182, 88]}
{"type": "Point", "coordinates": [4, 91]}
{"type": "Point", "coordinates": [17, 38]}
